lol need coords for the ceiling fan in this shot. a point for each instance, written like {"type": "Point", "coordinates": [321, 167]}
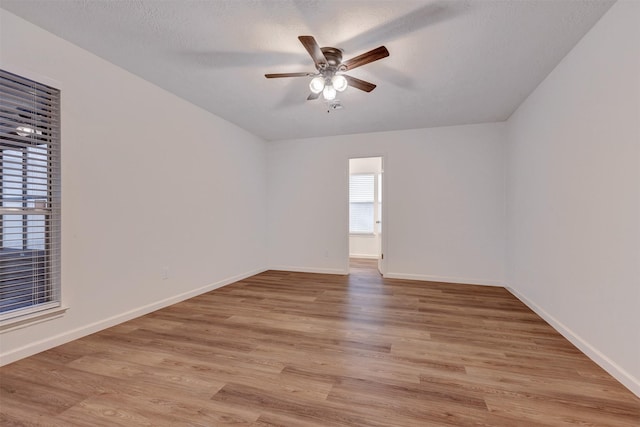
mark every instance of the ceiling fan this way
{"type": "Point", "coordinates": [330, 78]}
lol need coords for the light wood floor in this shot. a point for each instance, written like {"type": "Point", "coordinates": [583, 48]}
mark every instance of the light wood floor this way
{"type": "Point", "coordinates": [294, 349]}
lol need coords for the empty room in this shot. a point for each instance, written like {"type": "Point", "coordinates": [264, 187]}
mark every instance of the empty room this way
{"type": "Point", "coordinates": [320, 213]}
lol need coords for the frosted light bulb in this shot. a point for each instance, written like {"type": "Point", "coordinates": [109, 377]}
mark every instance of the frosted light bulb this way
{"type": "Point", "coordinates": [339, 83]}
{"type": "Point", "coordinates": [329, 93]}
{"type": "Point", "coordinates": [317, 84]}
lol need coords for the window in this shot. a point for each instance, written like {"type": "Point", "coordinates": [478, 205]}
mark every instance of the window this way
{"type": "Point", "coordinates": [30, 198]}
{"type": "Point", "coordinates": [361, 203]}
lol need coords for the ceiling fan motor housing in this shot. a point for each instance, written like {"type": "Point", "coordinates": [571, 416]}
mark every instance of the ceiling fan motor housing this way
{"type": "Point", "coordinates": [334, 58]}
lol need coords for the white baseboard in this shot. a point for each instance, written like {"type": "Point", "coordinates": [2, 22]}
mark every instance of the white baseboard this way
{"type": "Point", "coordinates": [45, 344]}
{"type": "Point", "coordinates": [628, 380]}
{"type": "Point", "coordinates": [365, 256]}
{"type": "Point", "coordinates": [310, 270]}
{"type": "Point", "coordinates": [457, 280]}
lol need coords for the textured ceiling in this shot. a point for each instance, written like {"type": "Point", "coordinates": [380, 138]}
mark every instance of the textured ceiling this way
{"type": "Point", "coordinates": [450, 63]}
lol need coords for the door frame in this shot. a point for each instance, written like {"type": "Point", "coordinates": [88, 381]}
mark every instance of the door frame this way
{"type": "Point", "coordinates": [382, 263]}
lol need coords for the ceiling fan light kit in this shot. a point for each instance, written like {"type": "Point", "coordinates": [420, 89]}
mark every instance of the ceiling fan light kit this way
{"type": "Point", "coordinates": [329, 78]}
{"type": "Point", "coordinates": [328, 86]}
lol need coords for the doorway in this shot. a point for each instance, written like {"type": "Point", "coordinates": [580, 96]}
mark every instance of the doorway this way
{"type": "Point", "coordinates": [365, 209]}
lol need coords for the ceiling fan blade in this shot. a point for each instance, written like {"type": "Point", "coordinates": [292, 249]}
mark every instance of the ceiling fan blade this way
{"type": "Point", "coordinates": [312, 47]}
{"type": "Point", "coordinates": [367, 57]}
{"type": "Point", "coordinates": [359, 84]}
{"type": "Point", "coordinates": [278, 75]}
{"type": "Point", "coordinates": [313, 96]}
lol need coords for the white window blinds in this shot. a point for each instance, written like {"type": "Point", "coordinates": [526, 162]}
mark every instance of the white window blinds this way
{"type": "Point", "coordinates": [361, 203]}
{"type": "Point", "coordinates": [30, 199]}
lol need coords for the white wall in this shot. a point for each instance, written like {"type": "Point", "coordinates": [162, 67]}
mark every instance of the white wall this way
{"type": "Point", "coordinates": [364, 246]}
{"type": "Point", "coordinates": [149, 181]}
{"type": "Point", "coordinates": [361, 165]}
{"type": "Point", "coordinates": [574, 195]}
{"type": "Point", "coordinates": [444, 206]}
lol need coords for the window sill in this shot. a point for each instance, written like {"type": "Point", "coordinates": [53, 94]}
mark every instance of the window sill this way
{"type": "Point", "coordinates": [31, 319]}
{"type": "Point", "coordinates": [362, 234]}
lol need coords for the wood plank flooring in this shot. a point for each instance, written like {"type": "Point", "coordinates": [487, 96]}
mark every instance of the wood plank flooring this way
{"type": "Point", "coordinates": [296, 349]}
